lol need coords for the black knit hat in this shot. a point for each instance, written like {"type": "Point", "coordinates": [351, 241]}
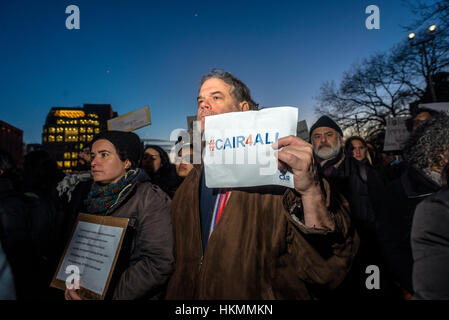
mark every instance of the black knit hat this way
{"type": "Point", "coordinates": [127, 144]}
{"type": "Point", "coordinates": [325, 121]}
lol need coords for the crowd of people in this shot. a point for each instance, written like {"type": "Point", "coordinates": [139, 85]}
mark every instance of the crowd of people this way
{"type": "Point", "coordinates": [352, 206]}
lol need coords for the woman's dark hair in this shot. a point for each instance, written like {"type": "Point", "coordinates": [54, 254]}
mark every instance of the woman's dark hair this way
{"type": "Point", "coordinates": [165, 160]}
{"type": "Point", "coordinates": [166, 177]}
{"type": "Point", "coordinates": [349, 148]}
{"type": "Point", "coordinates": [348, 143]}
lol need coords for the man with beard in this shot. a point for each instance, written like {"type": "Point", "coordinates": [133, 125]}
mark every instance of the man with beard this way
{"type": "Point", "coordinates": [361, 186]}
{"type": "Point", "coordinates": [270, 242]}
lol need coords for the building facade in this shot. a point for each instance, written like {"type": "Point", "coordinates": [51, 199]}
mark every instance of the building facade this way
{"type": "Point", "coordinates": [11, 140]}
{"type": "Point", "coordinates": [68, 129]}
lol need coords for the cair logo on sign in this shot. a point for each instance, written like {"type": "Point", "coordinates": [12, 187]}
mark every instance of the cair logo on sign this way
{"type": "Point", "coordinates": [242, 141]}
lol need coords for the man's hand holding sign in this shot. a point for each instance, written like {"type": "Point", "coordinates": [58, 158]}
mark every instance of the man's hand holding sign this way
{"type": "Point", "coordinates": [297, 156]}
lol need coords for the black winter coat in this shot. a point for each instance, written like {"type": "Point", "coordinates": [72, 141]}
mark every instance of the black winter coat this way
{"type": "Point", "coordinates": [430, 248]}
{"type": "Point", "coordinates": [395, 221]}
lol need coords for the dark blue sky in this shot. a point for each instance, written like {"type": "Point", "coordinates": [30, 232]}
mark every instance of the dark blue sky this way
{"type": "Point", "coordinates": [157, 51]}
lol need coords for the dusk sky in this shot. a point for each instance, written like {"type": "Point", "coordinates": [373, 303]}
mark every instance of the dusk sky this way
{"type": "Point", "coordinates": [135, 53]}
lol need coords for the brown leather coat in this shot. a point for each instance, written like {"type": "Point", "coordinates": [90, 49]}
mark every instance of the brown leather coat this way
{"type": "Point", "coordinates": [149, 263]}
{"type": "Point", "coordinates": [258, 250]}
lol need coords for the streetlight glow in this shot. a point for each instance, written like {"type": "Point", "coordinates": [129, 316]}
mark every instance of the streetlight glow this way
{"type": "Point", "coordinates": [411, 36]}
{"type": "Point", "coordinates": [432, 28]}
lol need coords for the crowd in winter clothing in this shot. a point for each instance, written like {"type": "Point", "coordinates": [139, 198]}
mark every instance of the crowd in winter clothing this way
{"type": "Point", "coordinates": [353, 206]}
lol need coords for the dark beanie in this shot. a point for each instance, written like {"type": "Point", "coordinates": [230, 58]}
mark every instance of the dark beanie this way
{"type": "Point", "coordinates": [325, 121]}
{"type": "Point", "coordinates": [127, 144]}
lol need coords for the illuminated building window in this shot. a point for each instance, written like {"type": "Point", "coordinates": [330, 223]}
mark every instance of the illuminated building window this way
{"type": "Point", "coordinates": [74, 155]}
{"type": "Point", "coordinates": [44, 139]}
{"type": "Point", "coordinates": [59, 130]}
{"type": "Point", "coordinates": [89, 130]}
{"type": "Point", "coordinates": [67, 164]}
{"type": "Point", "coordinates": [82, 130]}
{"type": "Point", "coordinates": [97, 130]}
{"type": "Point", "coordinates": [45, 129]}
{"type": "Point", "coordinates": [66, 155]}
{"type": "Point", "coordinates": [96, 123]}
{"type": "Point", "coordinates": [70, 113]}
{"type": "Point", "coordinates": [59, 163]}
{"type": "Point", "coordinates": [75, 138]}
{"type": "Point", "coordinates": [73, 163]}
{"type": "Point", "coordinates": [51, 138]}
{"type": "Point", "coordinates": [58, 138]}
{"type": "Point", "coordinates": [82, 138]}
{"type": "Point", "coordinates": [90, 137]}
{"type": "Point", "coordinates": [80, 146]}
{"type": "Point", "coordinates": [51, 130]}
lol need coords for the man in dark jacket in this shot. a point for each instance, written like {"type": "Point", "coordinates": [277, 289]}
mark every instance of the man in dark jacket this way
{"type": "Point", "coordinates": [426, 154]}
{"type": "Point", "coordinates": [361, 186]}
{"type": "Point", "coordinates": [270, 242]}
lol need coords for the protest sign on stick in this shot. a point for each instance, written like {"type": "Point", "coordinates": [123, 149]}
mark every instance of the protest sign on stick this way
{"type": "Point", "coordinates": [131, 121]}
{"type": "Point", "coordinates": [396, 134]}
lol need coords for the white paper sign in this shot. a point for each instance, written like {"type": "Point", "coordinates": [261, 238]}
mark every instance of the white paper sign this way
{"type": "Point", "coordinates": [131, 121]}
{"type": "Point", "coordinates": [302, 131]}
{"type": "Point", "coordinates": [438, 106]}
{"type": "Point", "coordinates": [396, 134]}
{"type": "Point", "coordinates": [92, 250]}
{"type": "Point", "coordinates": [238, 147]}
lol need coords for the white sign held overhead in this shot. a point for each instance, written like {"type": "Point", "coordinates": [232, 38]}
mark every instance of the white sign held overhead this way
{"type": "Point", "coordinates": [396, 134]}
{"type": "Point", "coordinates": [438, 106]}
{"type": "Point", "coordinates": [302, 130]}
{"type": "Point", "coordinates": [131, 121]}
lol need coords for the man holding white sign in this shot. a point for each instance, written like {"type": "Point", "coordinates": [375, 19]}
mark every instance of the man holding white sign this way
{"type": "Point", "coordinates": [265, 242]}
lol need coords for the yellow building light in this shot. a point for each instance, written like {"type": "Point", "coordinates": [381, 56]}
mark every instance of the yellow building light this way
{"type": "Point", "coordinates": [74, 163]}
{"type": "Point", "coordinates": [51, 138]}
{"type": "Point", "coordinates": [58, 138]}
{"type": "Point", "coordinates": [70, 113]}
{"type": "Point", "coordinates": [51, 130]}
{"type": "Point", "coordinates": [97, 130]}
{"type": "Point", "coordinates": [89, 130]}
{"type": "Point", "coordinates": [82, 130]}
{"type": "Point", "coordinates": [66, 155]}
{"type": "Point", "coordinates": [74, 155]}
{"type": "Point", "coordinates": [59, 163]}
{"type": "Point", "coordinates": [67, 164]}
{"type": "Point", "coordinates": [44, 139]}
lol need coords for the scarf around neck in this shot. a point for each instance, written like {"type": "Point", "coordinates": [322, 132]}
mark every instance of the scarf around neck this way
{"type": "Point", "coordinates": [102, 197]}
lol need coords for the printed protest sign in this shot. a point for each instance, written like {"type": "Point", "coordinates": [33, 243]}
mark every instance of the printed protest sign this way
{"type": "Point", "coordinates": [131, 121]}
{"type": "Point", "coordinates": [302, 130]}
{"type": "Point", "coordinates": [396, 134]}
{"type": "Point", "coordinates": [239, 149]}
{"type": "Point", "coordinates": [91, 255]}
{"type": "Point", "coordinates": [438, 106]}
